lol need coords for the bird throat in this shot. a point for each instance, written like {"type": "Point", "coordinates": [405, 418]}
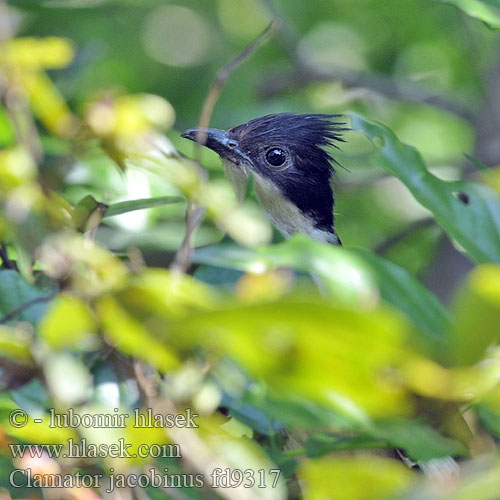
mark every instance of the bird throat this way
{"type": "Point", "coordinates": [282, 213]}
{"type": "Point", "coordinates": [238, 177]}
{"type": "Point", "coordinates": [285, 215]}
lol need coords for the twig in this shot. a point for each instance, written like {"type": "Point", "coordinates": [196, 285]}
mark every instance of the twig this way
{"type": "Point", "coordinates": [393, 89]}
{"type": "Point", "coordinates": [6, 30]}
{"type": "Point", "coordinates": [196, 454]}
{"type": "Point", "coordinates": [4, 255]}
{"type": "Point", "coordinates": [303, 74]}
{"type": "Point", "coordinates": [14, 101]}
{"type": "Point", "coordinates": [24, 126]}
{"type": "Point", "coordinates": [94, 220]}
{"type": "Point", "coordinates": [393, 240]}
{"type": "Point", "coordinates": [223, 75]}
{"type": "Point", "coordinates": [195, 213]}
{"type": "Point", "coordinates": [23, 307]}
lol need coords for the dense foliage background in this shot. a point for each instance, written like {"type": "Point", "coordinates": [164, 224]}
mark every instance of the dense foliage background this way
{"type": "Point", "coordinates": [105, 309]}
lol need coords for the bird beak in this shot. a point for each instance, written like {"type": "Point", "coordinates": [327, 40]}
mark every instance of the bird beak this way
{"type": "Point", "coordinates": [220, 141]}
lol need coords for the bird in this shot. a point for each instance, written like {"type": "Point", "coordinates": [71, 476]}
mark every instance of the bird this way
{"type": "Point", "coordinates": [292, 171]}
{"type": "Point", "coordinates": [285, 153]}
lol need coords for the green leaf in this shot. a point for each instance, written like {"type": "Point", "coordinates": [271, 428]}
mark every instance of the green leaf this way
{"type": "Point", "coordinates": [321, 444]}
{"type": "Point", "coordinates": [131, 205]}
{"type": "Point", "coordinates": [478, 164]}
{"type": "Point", "coordinates": [217, 276]}
{"type": "Point", "coordinates": [487, 11]}
{"type": "Point", "coordinates": [418, 440]}
{"type": "Point", "coordinates": [6, 130]}
{"type": "Point", "coordinates": [341, 275]}
{"type": "Point", "coordinates": [32, 397]}
{"type": "Point", "coordinates": [83, 209]}
{"type": "Point", "coordinates": [89, 205]}
{"type": "Point", "coordinates": [303, 414]}
{"type": "Point", "coordinates": [352, 277]}
{"type": "Point", "coordinates": [469, 212]}
{"type": "Point", "coordinates": [489, 417]}
{"type": "Point", "coordinates": [477, 313]}
{"type": "Point", "coordinates": [249, 415]}
{"type": "Point", "coordinates": [15, 291]}
{"type": "Point", "coordinates": [399, 288]}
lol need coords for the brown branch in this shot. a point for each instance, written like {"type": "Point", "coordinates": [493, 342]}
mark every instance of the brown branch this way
{"type": "Point", "coordinates": [194, 212]}
{"type": "Point", "coordinates": [4, 255]}
{"type": "Point", "coordinates": [16, 312]}
{"type": "Point", "coordinates": [17, 110]}
{"type": "Point", "coordinates": [304, 74]}
{"type": "Point", "coordinates": [6, 30]}
{"type": "Point", "coordinates": [223, 75]}
{"type": "Point", "coordinates": [196, 454]}
{"type": "Point", "coordinates": [94, 220]}
{"type": "Point", "coordinates": [15, 102]}
{"type": "Point", "coordinates": [388, 87]}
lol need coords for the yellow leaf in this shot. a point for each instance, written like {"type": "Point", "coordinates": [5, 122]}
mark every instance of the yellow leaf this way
{"type": "Point", "coordinates": [132, 337]}
{"type": "Point", "coordinates": [340, 358]}
{"type": "Point", "coordinates": [68, 322]}
{"type": "Point", "coordinates": [48, 104]}
{"type": "Point", "coordinates": [269, 285]}
{"type": "Point", "coordinates": [91, 268]}
{"type": "Point", "coordinates": [16, 168]}
{"type": "Point", "coordinates": [43, 432]}
{"type": "Point", "coordinates": [465, 384]}
{"type": "Point", "coordinates": [14, 343]}
{"type": "Point", "coordinates": [236, 429]}
{"type": "Point", "coordinates": [356, 477]}
{"type": "Point", "coordinates": [168, 294]}
{"type": "Point", "coordinates": [128, 116]}
{"type": "Point", "coordinates": [37, 53]}
{"type": "Point", "coordinates": [477, 315]}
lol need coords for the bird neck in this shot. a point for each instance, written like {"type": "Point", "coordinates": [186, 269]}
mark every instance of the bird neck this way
{"type": "Point", "coordinates": [286, 216]}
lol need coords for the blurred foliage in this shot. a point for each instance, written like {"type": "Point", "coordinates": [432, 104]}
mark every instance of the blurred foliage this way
{"type": "Point", "coordinates": [365, 372]}
{"type": "Point", "coordinates": [487, 11]}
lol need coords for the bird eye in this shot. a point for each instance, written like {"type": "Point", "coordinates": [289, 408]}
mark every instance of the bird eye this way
{"type": "Point", "coordinates": [276, 157]}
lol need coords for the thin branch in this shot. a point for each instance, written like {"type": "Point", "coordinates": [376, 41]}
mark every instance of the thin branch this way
{"type": "Point", "coordinates": [304, 74]}
{"type": "Point", "coordinates": [388, 87]}
{"type": "Point", "coordinates": [16, 312]}
{"type": "Point", "coordinates": [4, 255]}
{"type": "Point", "coordinates": [196, 454]}
{"type": "Point", "coordinates": [6, 30]}
{"type": "Point", "coordinates": [194, 212]}
{"type": "Point", "coordinates": [393, 240]}
{"type": "Point", "coordinates": [94, 220]}
{"type": "Point", "coordinates": [15, 102]}
{"type": "Point", "coordinates": [223, 75]}
{"type": "Point", "coordinates": [17, 110]}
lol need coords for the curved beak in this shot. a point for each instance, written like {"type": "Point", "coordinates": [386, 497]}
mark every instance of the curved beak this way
{"type": "Point", "coordinates": [220, 141]}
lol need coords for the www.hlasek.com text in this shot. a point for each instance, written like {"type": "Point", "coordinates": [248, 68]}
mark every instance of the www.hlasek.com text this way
{"type": "Point", "coordinates": [85, 449]}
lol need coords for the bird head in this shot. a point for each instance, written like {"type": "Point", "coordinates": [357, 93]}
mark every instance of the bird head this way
{"type": "Point", "coordinates": [286, 154]}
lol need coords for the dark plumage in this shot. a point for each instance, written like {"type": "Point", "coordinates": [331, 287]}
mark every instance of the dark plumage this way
{"type": "Point", "coordinates": [307, 182]}
{"type": "Point", "coordinates": [286, 151]}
